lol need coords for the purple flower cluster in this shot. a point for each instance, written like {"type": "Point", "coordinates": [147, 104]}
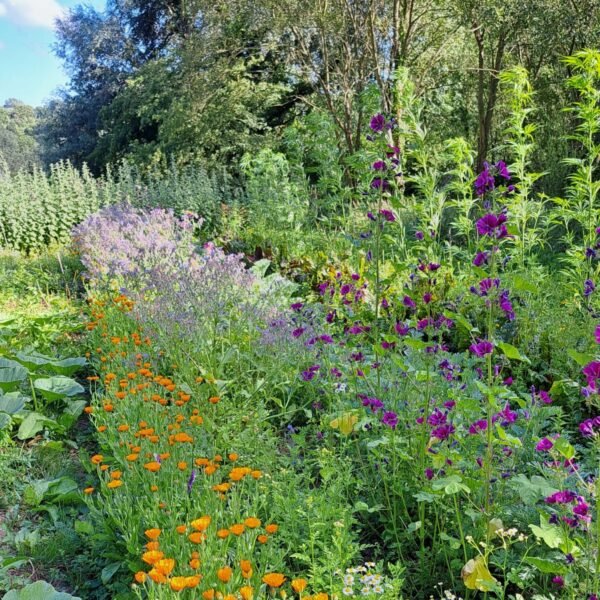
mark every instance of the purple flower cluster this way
{"type": "Point", "coordinates": [486, 180]}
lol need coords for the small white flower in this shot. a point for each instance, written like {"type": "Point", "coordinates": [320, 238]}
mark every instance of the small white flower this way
{"type": "Point", "coordinates": [348, 591]}
{"type": "Point", "coordinates": [365, 591]}
{"type": "Point", "coordinates": [378, 589]}
{"type": "Point", "coordinates": [348, 579]}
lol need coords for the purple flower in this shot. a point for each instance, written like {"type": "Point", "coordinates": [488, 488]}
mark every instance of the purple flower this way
{"type": "Point", "coordinates": [588, 287]}
{"type": "Point", "coordinates": [581, 509]}
{"type": "Point", "coordinates": [443, 432]}
{"type": "Point", "coordinates": [480, 259]}
{"type": "Point", "coordinates": [558, 581]}
{"type": "Point", "coordinates": [563, 497]}
{"type": "Point", "coordinates": [388, 215]}
{"type": "Point", "coordinates": [437, 417]}
{"type": "Point", "coordinates": [377, 123]}
{"type": "Point", "coordinates": [297, 306]}
{"type": "Point", "coordinates": [390, 419]}
{"type": "Point", "coordinates": [597, 334]}
{"type": "Point", "coordinates": [478, 426]}
{"type": "Point", "coordinates": [191, 480]}
{"type": "Point", "coordinates": [357, 328]}
{"type": "Point", "coordinates": [502, 170]}
{"type": "Point", "coordinates": [493, 226]}
{"type": "Point", "coordinates": [429, 474]}
{"type": "Point", "coordinates": [544, 445]}
{"type": "Point", "coordinates": [482, 348]}
{"type": "Point", "coordinates": [419, 235]}
{"type": "Point", "coordinates": [380, 184]}
{"type": "Point", "coordinates": [485, 181]}
{"type": "Point", "coordinates": [298, 332]}
{"type": "Point", "coordinates": [409, 302]}
{"type": "Point", "coordinates": [379, 165]}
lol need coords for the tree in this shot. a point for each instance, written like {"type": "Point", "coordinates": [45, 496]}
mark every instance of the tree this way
{"type": "Point", "coordinates": [18, 146]}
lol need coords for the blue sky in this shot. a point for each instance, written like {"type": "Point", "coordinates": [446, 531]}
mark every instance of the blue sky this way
{"type": "Point", "coordinates": [28, 69]}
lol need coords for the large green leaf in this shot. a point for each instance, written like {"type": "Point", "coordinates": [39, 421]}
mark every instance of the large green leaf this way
{"type": "Point", "coordinates": [33, 360]}
{"type": "Point", "coordinates": [11, 375]}
{"type": "Point", "coordinates": [57, 388]}
{"type": "Point", "coordinates": [68, 366]}
{"type": "Point", "coordinates": [40, 590]}
{"type": "Point", "coordinates": [5, 421]}
{"type": "Point", "coordinates": [32, 424]}
{"type": "Point", "coordinates": [12, 402]}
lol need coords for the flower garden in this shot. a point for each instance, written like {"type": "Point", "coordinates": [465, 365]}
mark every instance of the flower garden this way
{"type": "Point", "coordinates": [410, 409]}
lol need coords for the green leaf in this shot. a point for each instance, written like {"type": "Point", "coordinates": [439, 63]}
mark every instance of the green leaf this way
{"type": "Point", "coordinates": [12, 374]}
{"type": "Point", "coordinates": [551, 535]}
{"type": "Point", "coordinates": [580, 358]}
{"type": "Point", "coordinates": [546, 565]}
{"type": "Point", "coordinates": [520, 284]}
{"type": "Point", "coordinates": [68, 366]}
{"type": "Point", "coordinates": [5, 421]}
{"type": "Point", "coordinates": [512, 352]}
{"type": "Point", "coordinates": [12, 402]}
{"type": "Point", "coordinates": [57, 388]}
{"type": "Point", "coordinates": [40, 590]}
{"type": "Point", "coordinates": [33, 361]}
{"type": "Point", "coordinates": [564, 448]}
{"type": "Point", "coordinates": [532, 490]}
{"type": "Point", "coordinates": [32, 424]}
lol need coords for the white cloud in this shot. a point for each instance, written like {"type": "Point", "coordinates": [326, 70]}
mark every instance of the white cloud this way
{"type": "Point", "coordinates": [35, 13]}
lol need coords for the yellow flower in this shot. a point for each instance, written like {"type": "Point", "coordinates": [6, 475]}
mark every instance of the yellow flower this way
{"type": "Point", "coordinates": [224, 574]}
{"type": "Point", "coordinates": [252, 522]}
{"type": "Point", "coordinates": [115, 483]}
{"type": "Point", "coordinates": [201, 524]}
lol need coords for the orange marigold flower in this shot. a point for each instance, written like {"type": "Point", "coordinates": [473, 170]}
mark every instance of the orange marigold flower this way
{"type": "Point", "coordinates": [152, 556]}
{"type": "Point", "coordinates": [157, 576]}
{"type": "Point", "coordinates": [152, 534]}
{"type": "Point", "coordinates": [154, 488]}
{"type": "Point", "coordinates": [115, 483]}
{"type": "Point", "coordinates": [140, 576]}
{"type": "Point", "coordinates": [195, 563]}
{"type": "Point", "coordinates": [271, 528]}
{"type": "Point", "coordinates": [104, 467]}
{"type": "Point", "coordinates": [183, 437]}
{"type": "Point", "coordinates": [237, 529]}
{"type": "Point", "coordinates": [252, 522]}
{"type": "Point", "coordinates": [165, 565]}
{"type": "Point", "coordinates": [247, 574]}
{"type": "Point", "coordinates": [224, 574]}
{"type": "Point", "coordinates": [116, 475]}
{"type": "Point", "coordinates": [221, 487]}
{"type": "Point", "coordinates": [197, 537]}
{"type": "Point", "coordinates": [208, 595]}
{"type": "Point", "coordinates": [123, 427]}
{"type": "Point", "coordinates": [262, 539]}
{"type": "Point", "coordinates": [108, 407]}
{"type": "Point", "coordinates": [299, 585]}
{"type": "Point", "coordinates": [152, 466]}
{"type": "Point", "coordinates": [132, 457]}
{"type": "Point", "coordinates": [102, 428]}
{"type": "Point", "coordinates": [177, 583]}
{"type": "Point", "coordinates": [274, 580]}
{"type": "Point", "coordinates": [214, 399]}
{"type": "Point", "coordinates": [210, 469]}
{"type": "Point", "coordinates": [97, 459]}
{"type": "Point", "coordinates": [88, 490]}
{"type": "Point", "coordinates": [247, 593]}
{"type": "Point", "coordinates": [154, 545]}
{"type": "Point", "coordinates": [233, 456]}
{"type": "Point", "coordinates": [321, 596]}
{"type": "Point", "coordinates": [201, 462]}
{"type": "Point", "coordinates": [181, 529]}
{"type": "Point", "coordinates": [88, 410]}
{"type": "Point", "coordinates": [223, 533]}
{"type": "Point", "coordinates": [245, 565]}
{"type": "Point", "coordinates": [201, 524]}
{"type": "Point", "coordinates": [256, 474]}
{"type": "Point", "coordinates": [192, 581]}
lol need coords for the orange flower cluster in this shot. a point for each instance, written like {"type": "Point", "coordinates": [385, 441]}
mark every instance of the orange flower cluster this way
{"type": "Point", "coordinates": [155, 441]}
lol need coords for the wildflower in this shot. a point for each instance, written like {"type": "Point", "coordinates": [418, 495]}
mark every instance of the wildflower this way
{"type": "Point", "coordinates": [588, 287]}
{"type": "Point", "coordinates": [237, 529]}
{"type": "Point", "coordinates": [97, 459]}
{"type": "Point", "coordinates": [115, 483]}
{"type": "Point", "coordinates": [152, 466]}
{"type": "Point", "coordinates": [274, 580]}
{"type": "Point", "coordinates": [222, 533]}
{"type": "Point", "coordinates": [191, 480]}
{"type": "Point", "coordinates": [252, 522]}
{"type": "Point", "coordinates": [224, 574]}
{"type": "Point", "coordinates": [484, 181]}
{"type": "Point", "coordinates": [164, 565]}
{"type": "Point", "coordinates": [299, 585]}
{"type": "Point", "coordinates": [201, 524]}
{"type": "Point", "coordinates": [544, 445]}
{"type": "Point", "coordinates": [152, 556]}
{"type": "Point", "coordinates": [558, 581]}
{"type": "Point", "coordinates": [88, 490]}
{"type": "Point", "coordinates": [502, 170]}
{"type": "Point", "coordinates": [377, 123]}
{"type": "Point", "coordinates": [271, 528]}
{"type": "Point", "coordinates": [152, 534]}
{"type": "Point", "coordinates": [492, 225]}
{"type": "Point", "coordinates": [482, 348]}
{"type": "Point", "coordinates": [247, 592]}
{"type": "Point", "coordinates": [480, 259]}
{"type": "Point", "coordinates": [388, 215]}
{"type": "Point", "coordinates": [140, 576]}
{"type": "Point", "coordinates": [390, 419]}
{"type": "Point", "coordinates": [197, 537]}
